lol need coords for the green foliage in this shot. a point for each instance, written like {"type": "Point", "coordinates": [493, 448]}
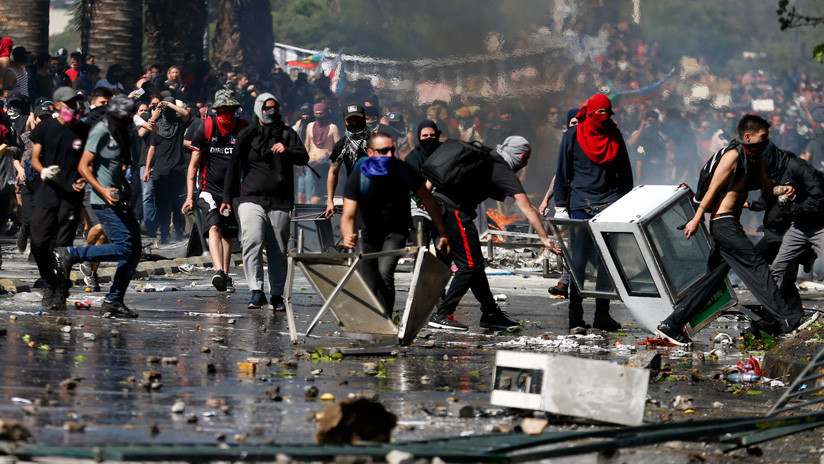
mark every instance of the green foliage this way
{"type": "Point", "coordinates": [752, 343]}
{"type": "Point", "coordinates": [320, 356]}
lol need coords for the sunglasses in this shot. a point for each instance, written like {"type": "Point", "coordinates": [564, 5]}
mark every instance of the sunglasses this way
{"type": "Point", "coordinates": [385, 151]}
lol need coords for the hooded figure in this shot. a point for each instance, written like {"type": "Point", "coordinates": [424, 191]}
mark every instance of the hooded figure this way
{"type": "Point", "coordinates": [169, 122]}
{"type": "Point", "coordinates": [515, 151]}
{"type": "Point", "coordinates": [597, 133]}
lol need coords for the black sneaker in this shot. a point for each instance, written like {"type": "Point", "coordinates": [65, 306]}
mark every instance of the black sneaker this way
{"type": "Point", "coordinates": [561, 290]}
{"type": "Point", "coordinates": [258, 300]}
{"type": "Point", "coordinates": [445, 321]}
{"type": "Point", "coordinates": [219, 281]}
{"type": "Point", "coordinates": [53, 300]}
{"type": "Point", "coordinates": [22, 240]}
{"type": "Point", "coordinates": [230, 285]}
{"type": "Point", "coordinates": [606, 323]}
{"type": "Point", "coordinates": [678, 337]}
{"type": "Point", "coordinates": [277, 303]}
{"type": "Point", "coordinates": [116, 309]}
{"type": "Point", "coordinates": [497, 320]}
{"type": "Point", "coordinates": [63, 263]}
{"type": "Point", "coordinates": [92, 282]}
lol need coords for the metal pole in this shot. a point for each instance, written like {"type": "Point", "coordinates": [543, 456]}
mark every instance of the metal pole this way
{"type": "Point", "coordinates": [300, 241]}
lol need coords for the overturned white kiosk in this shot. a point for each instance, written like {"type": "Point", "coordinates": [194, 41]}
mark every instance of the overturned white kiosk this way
{"type": "Point", "coordinates": [636, 251]}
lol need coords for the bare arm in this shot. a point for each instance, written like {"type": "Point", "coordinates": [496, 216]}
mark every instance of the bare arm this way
{"type": "Point", "coordinates": [331, 184]}
{"type": "Point", "coordinates": [347, 223]}
{"type": "Point", "coordinates": [721, 177]}
{"type": "Point", "coordinates": [434, 210]}
{"type": "Point", "coordinates": [532, 216]}
{"type": "Point", "coordinates": [85, 170]}
{"type": "Point", "coordinates": [191, 177]}
{"type": "Point", "coordinates": [35, 157]}
{"type": "Point", "coordinates": [147, 174]}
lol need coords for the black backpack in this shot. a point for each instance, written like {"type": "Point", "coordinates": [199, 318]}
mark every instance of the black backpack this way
{"type": "Point", "coordinates": [707, 171]}
{"type": "Point", "coordinates": [460, 170]}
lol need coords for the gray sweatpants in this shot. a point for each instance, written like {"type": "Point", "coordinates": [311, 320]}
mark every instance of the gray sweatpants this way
{"type": "Point", "coordinates": [261, 227]}
{"type": "Point", "coordinates": [796, 241]}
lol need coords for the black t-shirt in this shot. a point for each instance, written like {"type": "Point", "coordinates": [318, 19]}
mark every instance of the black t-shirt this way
{"type": "Point", "coordinates": [168, 157]}
{"type": "Point", "coordinates": [502, 182]}
{"type": "Point", "coordinates": [215, 154]}
{"type": "Point", "coordinates": [62, 146]}
{"type": "Point", "coordinates": [383, 201]}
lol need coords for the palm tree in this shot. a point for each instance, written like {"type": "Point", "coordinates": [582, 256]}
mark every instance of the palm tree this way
{"type": "Point", "coordinates": [243, 34]}
{"type": "Point", "coordinates": [116, 33]}
{"type": "Point", "coordinates": [27, 23]}
{"type": "Point", "coordinates": [173, 29]}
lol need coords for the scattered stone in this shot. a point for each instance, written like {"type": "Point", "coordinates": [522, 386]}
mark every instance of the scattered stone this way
{"type": "Point", "coordinates": [205, 349]}
{"type": "Point", "coordinates": [62, 320]}
{"type": "Point", "coordinates": [370, 368]}
{"type": "Point", "coordinates": [218, 339]}
{"type": "Point", "coordinates": [463, 411]}
{"type": "Point", "coordinates": [317, 372]}
{"type": "Point", "coordinates": [89, 337]}
{"type": "Point", "coordinates": [446, 357]}
{"type": "Point", "coordinates": [68, 385]}
{"type": "Point", "coordinates": [114, 333]}
{"type": "Point", "coordinates": [191, 418]}
{"type": "Point", "coordinates": [292, 365]}
{"type": "Point", "coordinates": [698, 360]}
{"type": "Point", "coordinates": [262, 361]}
{"type": "Point", "coordinates": [717, 405]}
{"type": "Point", "coordinates": [274, 394]}
{"type": "Point", "coordinates": [354, 420]}
{"type": "Point", "coordinates": [220, 436]}
{"type": "Point", "coordinates": [154, 429]}
{"type": "Point", "coordinates": [399, 457]}
{"type": "Point", "coordinates": [241, 437]}
{"type": "Point", "coordinates": [647, 359]}
{"type": "Point", "coordinates": [682, 403]}
{"type": "Point", "coordinates": [12, 430]}
{"type": "Point", "coordinates": [230, 321]}
{"type": "Point", "coordinates": [178, 407]}
{"type": "Point", "coordinates": [533, 426]}
{"type": "Point", "coordinates": [424, 379]}
{"type": "Point", "coordinates": [578, 331]}
{"type": "Point", "coordinates": [13, 317]}
{"type": "Point", "coordinates": [152, 375]}
{"type": "Point", "coordinates": [170, 360]}
{"type": "Point", "coordinates": [152, 359]}
{"type": "Point", "coordinates": [66, 329]}
{"type": "Point", "coordinates": [311, 393]}
{"type": "Point", "coordinates": [155, 385]}
{"type": "Point", "coordinates": [30, 410]}
{"type": "Point", "coordinates": [226, 409]}
{"type": "Point", "coordinates": [59, 351]}
{"type": "Point", "coordinates": [209, 368]}
{"type": "Point", "coordinates": [74, 427]}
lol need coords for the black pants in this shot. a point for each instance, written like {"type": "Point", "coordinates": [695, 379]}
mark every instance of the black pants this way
{"type": "Point", "coordinates": [732, 249]}
{"type": "Point", "coordinates": [50, 228]}
{"type": "Point", "coordinates": [467, 257]}
{"type": "Point", "coordinates": [379, 273]}
{"type": "Point", "coordinates": [168, 191]}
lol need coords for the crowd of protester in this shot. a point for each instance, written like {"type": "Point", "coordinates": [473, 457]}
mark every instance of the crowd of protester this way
{"type": "Point", "coordinates": [683, 113]}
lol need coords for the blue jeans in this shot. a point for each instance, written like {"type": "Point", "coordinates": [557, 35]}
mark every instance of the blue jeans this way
{"type": "Point", "coordinates": [123, 231]}
{"type": "Point", "coordinates": [149, 205]}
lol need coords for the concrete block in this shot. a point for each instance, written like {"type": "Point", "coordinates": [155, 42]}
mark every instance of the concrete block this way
{"type": "Point", "coordinates": [647, 360]}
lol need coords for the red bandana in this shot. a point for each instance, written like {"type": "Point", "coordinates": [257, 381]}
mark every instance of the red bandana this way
{"type": "Point", "coordinates": [597, 134]}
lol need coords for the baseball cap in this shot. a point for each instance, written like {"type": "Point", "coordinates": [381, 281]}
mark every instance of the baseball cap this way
{"type": "Point", "coordinates": [354, 110]}
{"type": "Point", "coordinates": [42, 109]}
{"type": "Point", "coordinates": [64, 94]}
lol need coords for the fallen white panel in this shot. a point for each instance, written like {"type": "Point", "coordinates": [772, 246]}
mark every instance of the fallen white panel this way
{"type": "Point", "coordinates": [572, 386]}
{"type": "Point", "coordinates": [429, 278]}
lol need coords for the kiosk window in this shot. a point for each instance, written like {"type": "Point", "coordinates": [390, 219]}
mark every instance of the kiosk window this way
{"type": "Point", "coordinates": [631, 265]}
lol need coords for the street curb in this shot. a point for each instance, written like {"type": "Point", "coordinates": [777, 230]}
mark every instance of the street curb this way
{"type": "Point", "coordinates": [14, 285]}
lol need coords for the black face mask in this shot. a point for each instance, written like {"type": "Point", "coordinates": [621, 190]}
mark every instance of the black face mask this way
{"type": "Point", "coordinates": [356, 127]}
{"type": "Point", "coordinates": [757, 146]}
{"type": "Point", "coordinates": [430, 145]}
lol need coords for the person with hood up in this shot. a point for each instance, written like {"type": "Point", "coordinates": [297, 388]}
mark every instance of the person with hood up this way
{"type": "Point", "coordinates": [593, 172]}
{"type": "Point", "coordinates": [260, 176]}
{"type": "Point", "coordinates": [378, 188]}
{"type": "Point", "coordinates": [459, 211]}
{"type": "Point", "coordinates": [429, 139]}
{"type": "Point", "coordinates": [106, 155]}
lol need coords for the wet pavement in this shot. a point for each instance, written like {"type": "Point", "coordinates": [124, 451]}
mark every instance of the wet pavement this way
{"type": "Point", "coordinates": [194, 338]}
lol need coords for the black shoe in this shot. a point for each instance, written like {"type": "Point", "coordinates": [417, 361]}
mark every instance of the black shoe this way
{"type": "Point", "coordinates": [53, 300]}
{"type": "Point", "coordinates": [561, 290]}
{"type": "Point", "coordinates": [277, 303]}
{"type": "Point", "coordinates": [761, 325]}
{"type": "Point", "coordinates": [219, 281]}
{"type": "Point", "coordinates": [606, 323]}
{"type": "Point", "coordinates": [63, 263]}
{"type": "Point", "coordinates": [258, 300]}
{"type": "Point", "coordinates": [92, 282]}
{"type": "Point", "coordinates": [497, 320]}
{"type": "Point", "coordinates": [116, 309]}
{"type": "Point", "coordinates": [678, 337]}
{"type": "Point", "coordinates": [22, 240]}
{"type": "Point", "coordinates": [445, 321]}
{"type": "Point", "coordinates": [230, 285]}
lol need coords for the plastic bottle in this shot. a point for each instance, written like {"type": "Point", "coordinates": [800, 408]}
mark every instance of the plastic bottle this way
{"type": "Point", "coordinates": [738, 377]}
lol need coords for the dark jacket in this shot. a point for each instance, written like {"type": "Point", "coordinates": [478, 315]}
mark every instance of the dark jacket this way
{"type": "Point", "coordinates": [807, 208]}
{"type": "Point", "coordinates": [581, 184]}
{"type": "Point", "coordinates": [259, 176]}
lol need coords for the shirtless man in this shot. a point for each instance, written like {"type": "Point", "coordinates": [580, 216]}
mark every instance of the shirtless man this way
{"type": "Point", "coordinates": [740, 170]}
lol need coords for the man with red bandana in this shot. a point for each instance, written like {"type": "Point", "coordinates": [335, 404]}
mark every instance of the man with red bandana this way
{"type": "Point", "coordinates": [593, 172]}
{"type": "Point", "coordinates": [212, 146]}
